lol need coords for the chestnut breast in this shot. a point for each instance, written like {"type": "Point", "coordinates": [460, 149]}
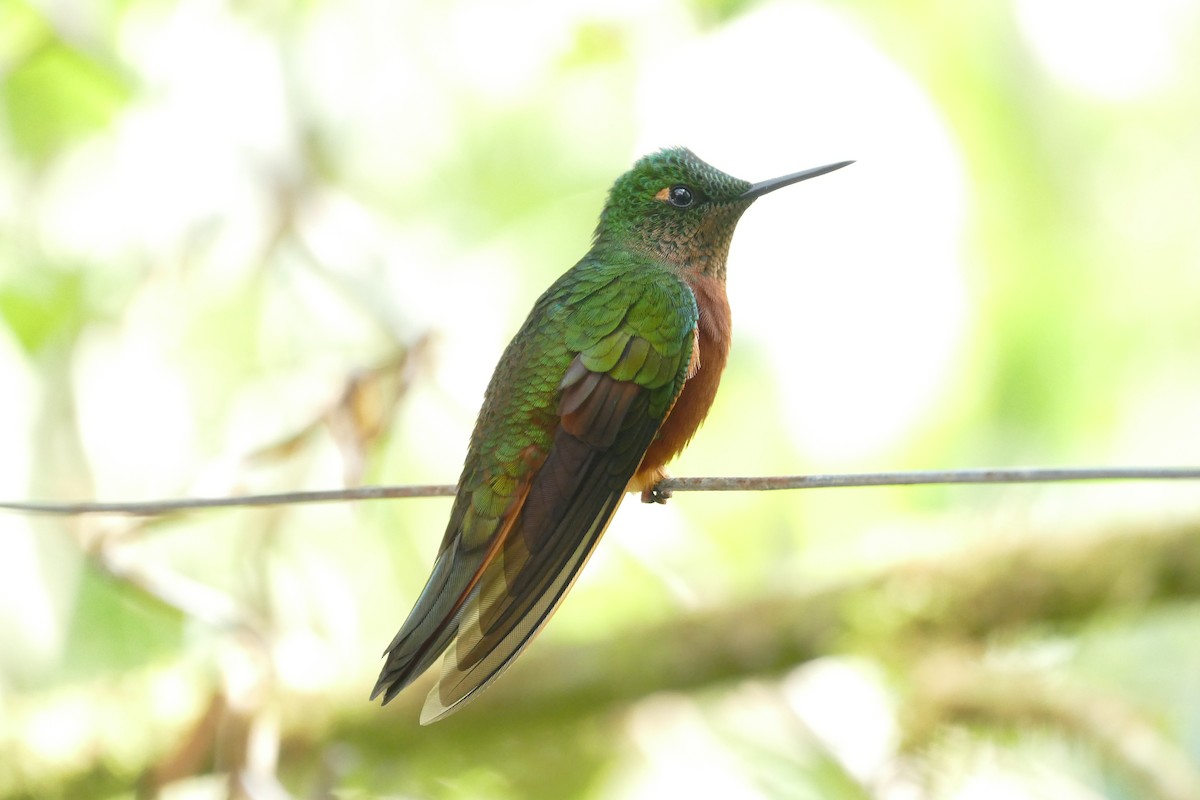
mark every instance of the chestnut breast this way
{"type": "Point", "coordinates": [713, 331]}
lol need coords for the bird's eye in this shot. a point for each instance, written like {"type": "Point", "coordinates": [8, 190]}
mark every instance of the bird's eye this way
{"type": "Point", "coordinates": [680, 196]}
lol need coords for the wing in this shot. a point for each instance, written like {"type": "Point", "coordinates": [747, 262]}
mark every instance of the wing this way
{"type": "Point", "coordinates": [519, 536]}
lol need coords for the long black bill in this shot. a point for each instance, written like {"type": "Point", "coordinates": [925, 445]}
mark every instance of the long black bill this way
{"type": "Point", "coordinates": [761, 188]}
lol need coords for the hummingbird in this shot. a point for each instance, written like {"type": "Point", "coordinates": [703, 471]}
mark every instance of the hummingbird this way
{"type": "Point", "coordinates": [606, 381]}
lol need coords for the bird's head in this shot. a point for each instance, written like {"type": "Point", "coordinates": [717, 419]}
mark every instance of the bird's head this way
{"type": "Point", "coordinates": [682, 210]}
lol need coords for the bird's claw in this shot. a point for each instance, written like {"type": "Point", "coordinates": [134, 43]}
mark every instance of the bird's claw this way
{"type": "Point", "coordinates": [656, 494]}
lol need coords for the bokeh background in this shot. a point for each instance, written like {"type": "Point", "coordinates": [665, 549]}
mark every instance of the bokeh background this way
{"type": "Point", "coordinates": [262, 246]}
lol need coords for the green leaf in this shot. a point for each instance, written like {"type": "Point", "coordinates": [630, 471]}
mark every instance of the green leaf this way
{"type": "Point", "coordinates": [37, 310]}
{"type": "Point", "coordinates": [56, 95]}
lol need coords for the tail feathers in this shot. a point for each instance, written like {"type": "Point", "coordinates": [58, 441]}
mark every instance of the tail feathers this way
{"type": "Point", "coordinates": [427, 632]}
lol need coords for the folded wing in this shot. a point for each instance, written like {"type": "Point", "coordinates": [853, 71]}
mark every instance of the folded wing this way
{"type": "Point", "coordinates": [501, 574]}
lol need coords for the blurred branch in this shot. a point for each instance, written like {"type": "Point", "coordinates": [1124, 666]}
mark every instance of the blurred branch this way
{"type": "Point", "coordinates": [949, 688]}
{"type": "Point", "coordinates": [711, 484]}
{"type": "Point", "coordinates": [897, 615]}
{"type": "Point", "coordinates": [965, 597]}
{"type": "Point", "coordinates": [363, 412]}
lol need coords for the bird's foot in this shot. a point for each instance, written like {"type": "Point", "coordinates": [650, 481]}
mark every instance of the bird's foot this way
{"type": "Point", "coordinates": [649, 483]}
{"type": "Point", "coordinates": [656, 494]}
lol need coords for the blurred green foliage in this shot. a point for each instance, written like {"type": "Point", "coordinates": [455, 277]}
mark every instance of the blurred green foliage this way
{"type": "Point", "coordinates": [250, 247]}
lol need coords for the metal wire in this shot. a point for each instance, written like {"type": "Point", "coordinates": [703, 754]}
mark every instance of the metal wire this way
{"type": "Point", "coordinates": [149, 508]}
